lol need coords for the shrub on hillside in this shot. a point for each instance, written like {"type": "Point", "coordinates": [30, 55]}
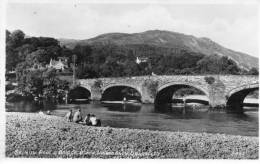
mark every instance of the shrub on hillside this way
{"type": "Point", "coordinates": [97, 84]}
{"type": "Point", "coordinates": [209, 79]}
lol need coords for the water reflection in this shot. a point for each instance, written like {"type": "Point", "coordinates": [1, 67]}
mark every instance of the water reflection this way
{"type": "Point", "coordinates": [165, 117]}
{"type": "Point", "coordinates": [123, 107]}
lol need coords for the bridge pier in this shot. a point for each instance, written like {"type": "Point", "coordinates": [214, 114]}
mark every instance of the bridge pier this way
{"type": "Point", "coordinates": [148, 91]}
{"type": "Point", "coordinates": [96, 93]}
{"type": "Point", "coordinates": [217, 94]}
{"type": "Point", "coordinates": [147, 97]}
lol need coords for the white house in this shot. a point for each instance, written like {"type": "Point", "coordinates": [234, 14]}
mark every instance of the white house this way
{"type": "Point", "coordinates": [61, 64]}
{"type": "Point", "coordinates": [141, 60]}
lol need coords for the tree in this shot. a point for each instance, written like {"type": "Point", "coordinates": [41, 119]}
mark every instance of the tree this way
{"type": "Point", "coordinates": [13, 40]}
{"type": "Point", "coordinates": [34, 81]}
{"type": "Point", "coordinates": [7, 35]}
{"type": "Point", "coordinates": [38, 56]}
{"type": "Point", "coordinates": [253, 71]}
{"type": "Point", "coordinates": [214, 64]}
{"type": "Point", "coordinates": [209, 79]}
{"type": "Point", "coordinates": [83, 54]}
{"type": "Point", "coordinates": [22, 70]}
{"type": "Point", "coordinates": [17, 38]}
{"type": "Point", "coordinates": [40, 82]}
{"type": "Point", "coordinates": [209, 64]}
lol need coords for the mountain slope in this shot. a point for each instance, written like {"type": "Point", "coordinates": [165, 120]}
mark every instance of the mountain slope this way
{"type": "Point", "coordinates": [170, 40]}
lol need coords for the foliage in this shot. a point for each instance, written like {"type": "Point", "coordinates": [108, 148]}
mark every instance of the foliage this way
{"type": "Point", "coordinates": [111, 60]}
{"type": "Point", "coordinates": [31, 50]}
{"type": "Point", "coordinates": [97, 84]}
{"type": "Point", "coordinates": [108, 60]}
{"type": "Point", "coordinates": [215, 64]}
{"type": "Point", "coordinates": [41, 82]}
{"type": "Point", "coordinates": [209, 79]}
{"type": "Point", "coordinates": [253, 71]}
{"type": "Point", "coordinates": [13, 40]}
{"type": "Point", "coordinates": [9, 87]}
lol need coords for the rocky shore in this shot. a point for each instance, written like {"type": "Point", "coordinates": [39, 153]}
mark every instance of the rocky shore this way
{"type": "Point", "coordinates": [44, 136]}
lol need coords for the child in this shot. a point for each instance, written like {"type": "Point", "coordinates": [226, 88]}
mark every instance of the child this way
{"type": "Point", "coordinates": [69, 116]}
{"type": "Point", "coordinates": [77, 116]}
{"type": "Point", "coordinates": [94, 121]}
{"type": "Point", "coordinates": [87, 120]}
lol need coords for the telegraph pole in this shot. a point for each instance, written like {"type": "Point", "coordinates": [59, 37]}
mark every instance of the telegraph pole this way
{"type": "Point", "coordinates": [74, 58]}
{"type": "Point", "coordinates": [219, 63]}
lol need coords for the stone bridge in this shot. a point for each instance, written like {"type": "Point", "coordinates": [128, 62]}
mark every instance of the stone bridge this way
{"type": "Point", "coordinates": [224, 90]}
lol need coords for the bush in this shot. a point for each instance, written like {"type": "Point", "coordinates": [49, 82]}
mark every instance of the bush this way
{"type": "Point", "coordinates": [209, 79]}
{"type": "Point", "coordinates": [253, 71]}
{"type": "Point", "coordinates": [14, 97]}
{"type": "Point", "coordinates": [9, 87]}
{"type": "Point", "coordinates": [97, 84]}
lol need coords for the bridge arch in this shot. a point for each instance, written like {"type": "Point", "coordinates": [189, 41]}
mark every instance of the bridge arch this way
{"type": "Point", "coordinates": [117, 92]}
{"type": "Point", "coordinates": [79, 92]}
{"type": "Point", "coordinates": [236, 96]}
{"type": "Point", "coordinates": [165, 92]}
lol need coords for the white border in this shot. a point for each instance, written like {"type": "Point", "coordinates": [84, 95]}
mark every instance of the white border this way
{"type": "Point", "coordinates": [112, 161]}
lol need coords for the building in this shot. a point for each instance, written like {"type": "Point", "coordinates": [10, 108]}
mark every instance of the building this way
{"type": "Point", "coordinates": [37, 66]}
{"type": "Point", "coordinates": [60, 65]}
{"type": "Point", "coordinates": [141, 60]}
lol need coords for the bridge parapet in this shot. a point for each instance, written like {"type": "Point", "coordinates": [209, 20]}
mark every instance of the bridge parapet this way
{"type": "Point", "coordinates": [216, 91]}
{"type": "Point", "coordinates": [230, 81]}
{"type": "Point", "coordinates": [234, 81]}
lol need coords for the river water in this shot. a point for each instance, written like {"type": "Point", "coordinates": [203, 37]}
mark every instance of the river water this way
{"type": "Point", "coordinates": [163, 118]}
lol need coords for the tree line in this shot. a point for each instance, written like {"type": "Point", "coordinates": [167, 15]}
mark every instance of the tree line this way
{"type": "Point", "coordinates": [116, 61]}
{"type": "Point", "coordinates": [110, 60]}
{"type": "Point", "coordinates": [25, 54]}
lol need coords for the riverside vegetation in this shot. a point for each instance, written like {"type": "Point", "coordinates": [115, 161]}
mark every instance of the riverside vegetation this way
{"type": "Point", "coordinates": [28, 56]}
{"type": "Point", "coordinates": [35, 135]}
{"type": "Point", "coordinates": [107, 59]}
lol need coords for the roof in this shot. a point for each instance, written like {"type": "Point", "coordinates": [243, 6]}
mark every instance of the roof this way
{"type": "Point", "coordinates": [54, 62]}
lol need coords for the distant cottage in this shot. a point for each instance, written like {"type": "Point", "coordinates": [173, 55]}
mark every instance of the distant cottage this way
{"type": "Point", "coordinates": [37, 66]}
{"type": "Point", "coordinates": [141, 60]}
{"type": "Point", "coordinates": [60, 65]}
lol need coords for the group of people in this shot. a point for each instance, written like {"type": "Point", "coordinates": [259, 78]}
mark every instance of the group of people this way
{"type": "Point", "coordinates": [90, 119]}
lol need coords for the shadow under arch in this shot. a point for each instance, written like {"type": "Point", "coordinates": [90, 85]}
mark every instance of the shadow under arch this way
{"type": "Point", "coordinates": [79, 93]}
{"type": "Point", "coordinates": [235, 97]}
{"type": "Point", "coordinates": [165, 92]}
{"type": "Point", "coordinates": [119, 92]}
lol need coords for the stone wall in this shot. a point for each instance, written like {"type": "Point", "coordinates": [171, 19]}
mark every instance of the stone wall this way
{"type": "Point", "coordinates": [218, 92]}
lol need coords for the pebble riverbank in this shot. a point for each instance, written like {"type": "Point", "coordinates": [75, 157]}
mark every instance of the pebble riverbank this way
{"type": "Point", "coordinates": [45, 136]}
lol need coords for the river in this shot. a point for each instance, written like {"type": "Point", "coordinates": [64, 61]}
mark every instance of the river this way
{"type": "Point", "coordinates": [163, 118]}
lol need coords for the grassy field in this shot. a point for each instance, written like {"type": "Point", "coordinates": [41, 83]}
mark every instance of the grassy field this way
{"type": "Point", "coordinates": [43, 136]}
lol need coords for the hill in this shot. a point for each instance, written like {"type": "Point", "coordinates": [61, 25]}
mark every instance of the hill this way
{"type": "Point", "coordinates": [168, 40]}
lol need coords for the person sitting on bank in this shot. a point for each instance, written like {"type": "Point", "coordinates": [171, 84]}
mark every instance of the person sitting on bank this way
{"type": "Point", "coordinates": [48, 112]}
{"type": "Point", "coordinates": [77, 116]}
{"type": "Point", "coordinates": [86, 120]}
{"type": "Point", "coordinates": [69, 116]}
{"type": "Point", "coordinates": [94, 121]}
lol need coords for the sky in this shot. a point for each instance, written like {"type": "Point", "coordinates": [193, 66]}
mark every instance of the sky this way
{"type": "Point", "coordinates": [234, 26]}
